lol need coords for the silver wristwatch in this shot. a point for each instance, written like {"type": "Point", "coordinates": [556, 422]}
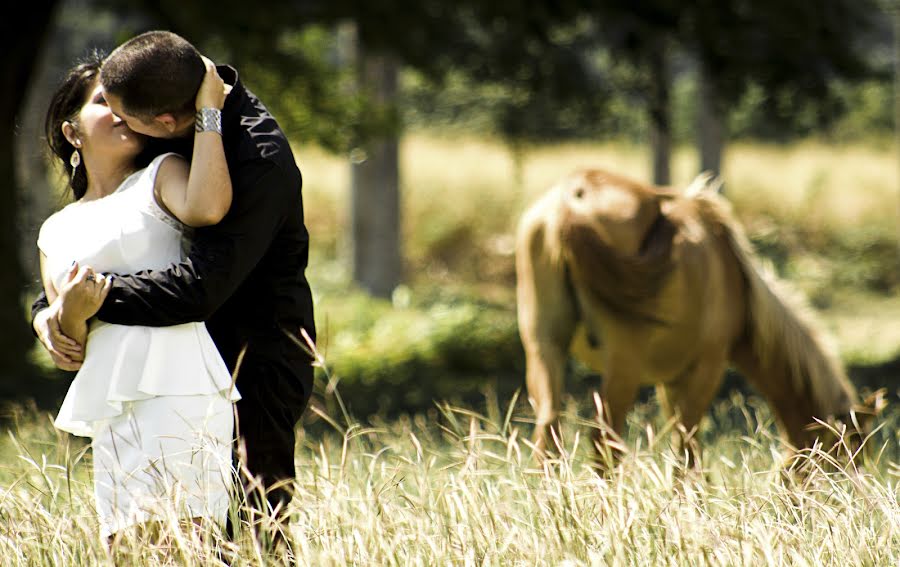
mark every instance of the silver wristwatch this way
{"type": "Point", "coordinates": [208, 120]}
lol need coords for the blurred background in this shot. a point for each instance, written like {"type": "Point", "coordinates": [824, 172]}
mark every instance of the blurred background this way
{"type": "Point", "coordinates": [424, 128]}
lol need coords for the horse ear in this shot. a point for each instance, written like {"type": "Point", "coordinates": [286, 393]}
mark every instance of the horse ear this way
{"type": "Point", "coordinates": [876, 401]}
{"type": "Point", "coordinates": [706, 181]}
{"type": "Point", "coordinates": [871, 407]}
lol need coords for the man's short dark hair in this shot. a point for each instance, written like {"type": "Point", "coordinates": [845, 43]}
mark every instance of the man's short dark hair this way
{"type": "Point", "coordinates": [154, 73]}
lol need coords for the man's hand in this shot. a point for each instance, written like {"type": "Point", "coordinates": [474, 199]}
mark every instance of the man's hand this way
{"type": "Point", "coordinates": [212, 89]}
{"type": "Point", "coordinates": [66, 353]}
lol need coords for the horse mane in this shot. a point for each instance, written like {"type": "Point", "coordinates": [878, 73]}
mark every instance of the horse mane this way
{"type": "Point", "coordinates": [781, 327]}
{"type": "Point", "coordinates": [623, 283]}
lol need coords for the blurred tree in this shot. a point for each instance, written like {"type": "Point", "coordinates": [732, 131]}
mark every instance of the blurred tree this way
{"type": "Point", "coordinates": [540, 54]}
{"type": "Point", "coordinates": [896, 28]}
{"type": "Point", "coordinates": [793, 59]}
{"type": "Point", "coordinates": [525, 45]}
{"type": "Point", "coordinates": [893, 7]}
{"type": "Point", "coordinates": [78, 28]}
{"type": "Point", "coordinates": [22, 39]}
{"type": "Point", "coordinates": [642, 35]}
{"type": "Point", "coordinates": [375, 179]}
{"type": "Point", "coordinates": [346, 111]}
{"type": "Point", "coordinates": [501, 43]}
{"type": "Point", "coordinates": [794, 51]}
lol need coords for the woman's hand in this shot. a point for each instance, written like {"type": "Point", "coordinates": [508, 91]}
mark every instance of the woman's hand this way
{"type": "Point", "coordinates": [83, 295]}
{"type": "Point", "coordinates": [212, 89]}
{"type": "Point", "coordinates": [199, 193]}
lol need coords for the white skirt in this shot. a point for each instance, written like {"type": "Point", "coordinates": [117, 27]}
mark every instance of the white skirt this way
{"type": "Point", "coordinates": [165, 458]}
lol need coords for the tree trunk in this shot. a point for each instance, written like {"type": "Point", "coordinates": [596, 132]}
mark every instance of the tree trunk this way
{"type": "Point", "coordinates": [39, 198]}
{"type": "Point", "coordinates": [896, 8]}
{"type": "Point", "coordinates": [710, 126]}
{"type": "Point", "coordinates": [518, 151]}
{"type": "Point", "coordinates": [660, 116]}
{"type": "Point", "coordinates": [22, 47]}
{"type": "Point", "coordinates": [375, 193]}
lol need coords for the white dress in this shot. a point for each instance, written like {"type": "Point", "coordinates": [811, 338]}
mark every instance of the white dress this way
{"type": "Point", "coordinates": [156, 401]}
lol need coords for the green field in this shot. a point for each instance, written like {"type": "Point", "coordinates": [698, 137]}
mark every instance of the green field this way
{"type": "Point", "coordinates": [457, 484]}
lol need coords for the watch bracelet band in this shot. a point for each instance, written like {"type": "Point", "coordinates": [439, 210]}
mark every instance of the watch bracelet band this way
{"type": "Point", "coordinates": [208, 120]}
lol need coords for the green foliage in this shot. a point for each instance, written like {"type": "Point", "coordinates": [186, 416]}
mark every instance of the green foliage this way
{"type": "Point", "coordinates": [314, 100]}
{"type": "Point", "coordinates": [389, 359]}
{"type": "Point", "coordinates": [765, 43]}
{"type": "Point", "coordinates": [459, 104]}
{"type": "Point", "coordinates": [510, 110]}
{"type": "Point", "coordinates": [865, 259]}
{"type": "Point", "coordinates": [532, 71]}
{"type": "Point", "coordinates": [297, 66]}
{"type": "Point", "coordinates": [850, 111]}
{"type": "Point", "coordinates": [869, 110]}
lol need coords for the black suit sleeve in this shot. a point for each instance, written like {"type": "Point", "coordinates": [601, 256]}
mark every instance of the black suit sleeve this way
{"type": "Point", "coordinates": [39, 305]}
{"type": "Point", "coordinates": [220, 259]}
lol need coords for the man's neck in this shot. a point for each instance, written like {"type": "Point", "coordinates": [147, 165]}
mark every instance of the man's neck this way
{"type": "Point", "coordinates": [186, 129]}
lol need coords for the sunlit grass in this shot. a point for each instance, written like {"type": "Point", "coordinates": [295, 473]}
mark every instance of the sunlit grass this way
{"type": "Point", "coordinates": [866, 328]}
{"type": "Point", "coordinates": [831, 188]}
{"type": "Point", "coordinates": [455, 486]}
{"type": "Point", "coordinates": [473, 180]}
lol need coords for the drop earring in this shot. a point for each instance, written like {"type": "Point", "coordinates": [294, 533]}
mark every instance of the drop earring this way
{"type": "Point", "coordinates": [75, 161]}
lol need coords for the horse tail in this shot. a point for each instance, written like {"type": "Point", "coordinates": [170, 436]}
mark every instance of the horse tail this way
{"type": "Point", "coordinates": [785, 349]}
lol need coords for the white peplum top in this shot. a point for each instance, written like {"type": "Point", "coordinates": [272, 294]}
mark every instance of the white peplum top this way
{"type": "Point", "coordinates": [123, 233]}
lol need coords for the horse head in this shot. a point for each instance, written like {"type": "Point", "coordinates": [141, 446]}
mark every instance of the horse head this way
{"type": "Point", "coordinates": [617, 243]}
{"type": "Point", "coordinates": [844, 436]}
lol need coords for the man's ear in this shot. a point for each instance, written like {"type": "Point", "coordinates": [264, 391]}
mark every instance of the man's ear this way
{"type": "Point", "coordinates": [168, 121]}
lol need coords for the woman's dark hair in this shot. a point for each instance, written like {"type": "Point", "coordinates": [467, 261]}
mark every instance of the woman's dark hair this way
{"type": "Point", "coordinates": [65, 105]}
{"type": "Point", "coordinates": [154, 73]}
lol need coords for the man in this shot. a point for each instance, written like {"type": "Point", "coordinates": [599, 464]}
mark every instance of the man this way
{"type": "Point", "coordinates": [243, 276]}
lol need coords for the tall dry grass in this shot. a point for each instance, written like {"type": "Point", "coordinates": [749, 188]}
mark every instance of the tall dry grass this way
{"type": "Point", "coordinates": [457, 487]}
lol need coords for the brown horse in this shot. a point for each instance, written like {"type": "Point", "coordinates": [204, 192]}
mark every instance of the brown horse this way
{"type": "Point", "coordinates": [651, 286]}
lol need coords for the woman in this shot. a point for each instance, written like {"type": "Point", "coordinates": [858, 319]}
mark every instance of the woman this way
{"type": "Point", "coordinates": [156, 402]}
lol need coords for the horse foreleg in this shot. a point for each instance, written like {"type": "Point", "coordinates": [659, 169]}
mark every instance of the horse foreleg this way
{"type": "Point", "coordinates": [547, 318]}
{"type": "Point", "coordinates": [544, 380]}
{"type": "Point", "coordinates": [688, 397]}
{"type": "Point", "coordinates": [617, 396]}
